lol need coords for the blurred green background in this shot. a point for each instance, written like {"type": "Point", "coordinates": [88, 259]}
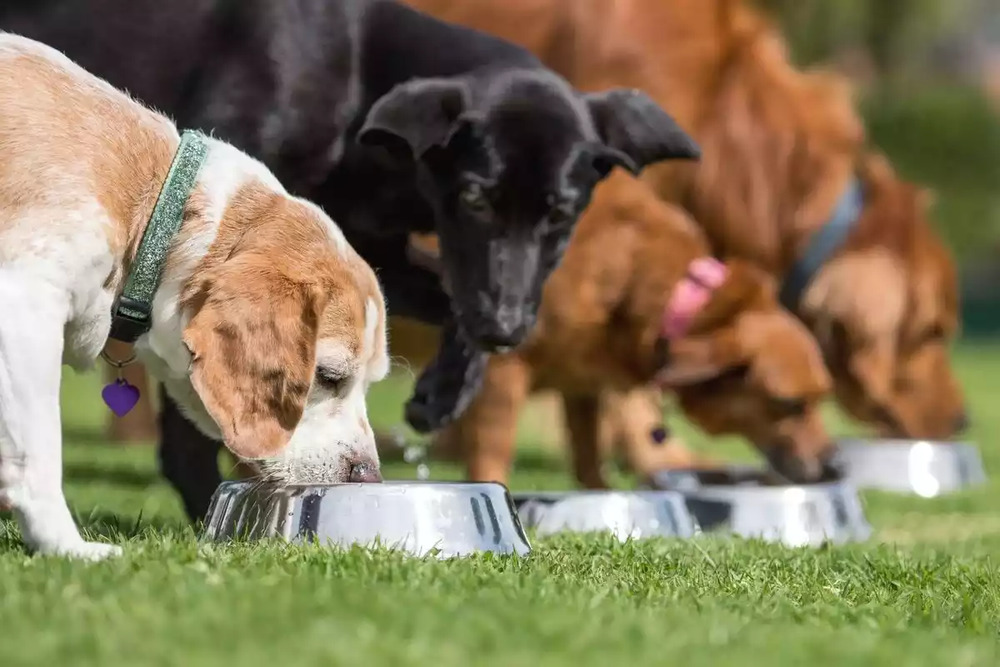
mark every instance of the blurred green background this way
{"type": "Point", "coordinates": [928, 75]}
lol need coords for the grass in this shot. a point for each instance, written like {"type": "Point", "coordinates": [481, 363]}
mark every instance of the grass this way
{"type": "Point", "coordinates": [924, 591]}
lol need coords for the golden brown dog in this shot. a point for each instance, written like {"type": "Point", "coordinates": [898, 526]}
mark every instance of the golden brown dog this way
{"type": "Point", "coordinates": [738, 364]}
{"type": "Point", "coordinates": [780, 148]}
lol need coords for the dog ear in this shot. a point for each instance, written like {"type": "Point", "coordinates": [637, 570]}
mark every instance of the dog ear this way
{"type": "Point", "coordinates": [636, 131]}
{"type": "Point", "coordinates": [699, 358]}
{"type": "Point", "coordinates": [253, 349]}
{"type": "Point", "coordinates": [415, 116]}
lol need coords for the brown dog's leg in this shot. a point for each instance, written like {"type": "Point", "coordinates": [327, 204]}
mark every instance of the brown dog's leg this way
{"type": "Point", "coordinates": [139, 425]}
{"type": "Point", "coordinates": [581, 421]}
{"type": "Point", "coordinates": [630, 418]}
{"type": "Point", "coordinates": [487, 431]}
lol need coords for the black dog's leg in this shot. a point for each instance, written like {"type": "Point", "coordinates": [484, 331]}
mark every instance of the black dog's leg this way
{"type": "Point", "coordinates": [188, 459]}
{"type": "Point", "coordinates": [447, 386]}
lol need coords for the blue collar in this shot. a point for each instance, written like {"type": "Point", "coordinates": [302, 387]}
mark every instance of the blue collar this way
{"type": "Point", "coordinates": [824, 244]}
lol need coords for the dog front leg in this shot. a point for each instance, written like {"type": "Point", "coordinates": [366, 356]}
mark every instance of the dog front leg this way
{"type": "Point", "coordinates": [487, 431]}
{"type": "Point", "coordinates": [31, 346]}
{"type": "Point", "coordinates": [582, 423]}
{"type": "Point", "coordinates": [448, 384]}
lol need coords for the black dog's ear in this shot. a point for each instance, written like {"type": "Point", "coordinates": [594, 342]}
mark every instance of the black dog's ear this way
{"type": "Point", "coordinates": [414, 116]}
{"type": "Point", "coordinates": [633, 126]}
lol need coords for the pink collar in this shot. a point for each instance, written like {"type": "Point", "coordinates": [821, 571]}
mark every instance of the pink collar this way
{"type": "Point", "coordinates": [691, 294]}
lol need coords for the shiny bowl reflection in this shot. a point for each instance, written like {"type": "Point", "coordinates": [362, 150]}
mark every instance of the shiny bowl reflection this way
{"type": "Point", "coordinates": [420, 518]}
{"type": "Point", "coordinates": [920, 467]}
{"type": "Point", "coordinates": [749, 503]}
{"type": "Point", "coordinates": [624, 514]}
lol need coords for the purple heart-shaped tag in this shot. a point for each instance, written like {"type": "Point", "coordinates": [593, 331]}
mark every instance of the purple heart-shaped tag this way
{"type": "Point", "coordinates": [120, 396]}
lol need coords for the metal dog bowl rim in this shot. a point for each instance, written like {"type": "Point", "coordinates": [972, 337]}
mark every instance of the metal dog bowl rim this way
{"type": "Point", "coordinates": [960, 465]}
{"type": "Point", "coordinates": [771, 489]}
{"type": "Point", "coordinates": [685, 527]}
{"type": "Point", "coordinates": [855, 528]}
{"type": "Point", "coordinates": [236, 490]}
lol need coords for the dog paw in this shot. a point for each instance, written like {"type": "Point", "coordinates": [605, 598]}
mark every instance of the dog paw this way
{"type": "Point", "coordinates": [90, 551]}
{"type": "Point", "coordinates": [447, 386]}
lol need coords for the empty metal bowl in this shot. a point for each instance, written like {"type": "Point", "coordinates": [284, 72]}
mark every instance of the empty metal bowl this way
{"type": "Point", "coordinates": [625, 514]}
{"type": "Point", "coordinates": [921, 467]}
{"type": "Point", "coordinates": [747, 502]}
{"type": "Point", "coordinates": [444, 519]}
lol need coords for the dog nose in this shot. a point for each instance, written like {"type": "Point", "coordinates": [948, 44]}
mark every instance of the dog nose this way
{"type": "Point", "coordinates": [501, 341]}
{"type": "Point", "coordinates": [961, 423]}
{"type": "Point", "coordinates": [365, 472]}
{"type": "Point", "coordinates": [799, 469]}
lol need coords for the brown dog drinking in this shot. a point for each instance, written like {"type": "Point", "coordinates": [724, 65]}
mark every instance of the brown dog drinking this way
{"type": "Point", "coordinates": [785, 181]}
{"type": "Point", "coordinates": [637, 300]}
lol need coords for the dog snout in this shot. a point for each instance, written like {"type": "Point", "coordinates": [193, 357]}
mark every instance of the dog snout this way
{"type": "Point", "coordinates": [501, 330]}
{"type": "Point", "coordinates": [803, 468]}
{"type": "Point", "coordinates": [365, 471]}
{"type": "Point", "coordinates": [500, 341]}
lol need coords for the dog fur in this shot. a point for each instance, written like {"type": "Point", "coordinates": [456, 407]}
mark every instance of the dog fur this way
{"type": "Point", "coordinates": [745, 367]}
{"type": "Point", "coordinates": [778, 148]}
{"type": "Point", "coordinates": [267, 328]}
{"type": "Point", "coordinates": [393, 122]}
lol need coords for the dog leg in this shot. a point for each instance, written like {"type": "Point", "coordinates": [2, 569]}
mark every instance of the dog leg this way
{"type": "Point", "coordinates": [448, 384]}
{"type": "Point", "coordinates": [188, 459]}
{"type": "Point", "coordinates": [31, 346]}
{"type": "Point", "coordinates": [487, 432]}
{"type": "Point", "coordinates": [581, 420]}
{"type": "Point", "coordinates": [630, 419]}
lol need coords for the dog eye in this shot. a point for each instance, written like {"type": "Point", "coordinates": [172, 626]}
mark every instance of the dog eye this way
{"type": "Point", "coordinates": [935, 333]}
{"type": "Point", "coordinates": [788, 407]}
{"type": "Point", "coordinates": [473, 198]}
{"type": "Point", "coordinates": [331, 380]}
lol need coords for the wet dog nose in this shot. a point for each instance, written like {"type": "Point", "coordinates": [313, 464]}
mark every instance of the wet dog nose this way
{"type": "Point", "coordinates": [366, 472]}
{"type": "Point", "coordinates": [961, 423]}
{"type": "Point", "coordinates": [501, 341]}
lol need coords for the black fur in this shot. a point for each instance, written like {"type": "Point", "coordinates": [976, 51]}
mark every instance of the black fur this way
{"type": "Point", "coordinates": [393, 122]}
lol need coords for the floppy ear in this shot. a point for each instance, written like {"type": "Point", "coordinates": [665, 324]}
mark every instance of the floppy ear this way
{"type": "Point", "coordinates": [414, 116]}
{"type": "Point", "coordinates": [699, 358]}
{"type": "Point", "coordinates": [253, 353]}
{"type": "Point", "coordinates": [636, 131]}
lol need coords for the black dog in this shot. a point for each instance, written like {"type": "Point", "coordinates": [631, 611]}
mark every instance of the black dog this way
{"type": "Point", "coordinates": [393, 122]}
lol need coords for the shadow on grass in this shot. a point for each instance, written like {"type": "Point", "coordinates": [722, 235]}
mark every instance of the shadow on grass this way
{"type": "Point", "coordinates": [79, 435]}
{"type": "Point", "coordinates": [80, 471]}
{"type": "Point", "coordinates": [115, 527]}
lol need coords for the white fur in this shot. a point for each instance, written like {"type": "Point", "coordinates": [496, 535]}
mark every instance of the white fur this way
{"type": "Point", "coordinates": [55, 260]}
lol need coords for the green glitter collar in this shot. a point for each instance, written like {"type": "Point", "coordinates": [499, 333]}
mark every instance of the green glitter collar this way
{"type": "Point", "coordinates": [131, 316]}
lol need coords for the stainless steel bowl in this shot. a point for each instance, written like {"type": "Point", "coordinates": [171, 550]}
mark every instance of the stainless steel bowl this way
{"type": "Point", "coordinates": [746, 502]}
{"type": "Point", "coordinates": [421, 518]}
{"type": "Point", "coordinates": [921, 467]}
{"type": "Point", "coordinates": [625, 514]}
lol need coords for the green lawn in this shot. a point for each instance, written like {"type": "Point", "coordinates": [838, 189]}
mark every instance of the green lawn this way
{"type": "Point", "coordinates": [924, 591]}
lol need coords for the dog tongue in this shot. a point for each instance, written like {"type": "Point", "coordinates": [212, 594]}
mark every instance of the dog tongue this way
{"type": "Point", "coordinates": [120, 396]}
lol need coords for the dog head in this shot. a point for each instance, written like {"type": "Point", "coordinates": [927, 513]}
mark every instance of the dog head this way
{"type": "Point", "coordinates": [507, 162]}
{"type": "Point", "coordinates": [888, 342]}
{"type": "Point", "coordinates": [284, 330]}
{"type": "Point", "coordinates": [748, 367]}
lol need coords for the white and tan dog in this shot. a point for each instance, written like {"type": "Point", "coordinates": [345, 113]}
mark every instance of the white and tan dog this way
{"type": "Point", "coordinates": [267, 327]}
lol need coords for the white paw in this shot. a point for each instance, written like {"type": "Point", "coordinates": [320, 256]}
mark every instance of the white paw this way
{"type": "Point", "coordinates": [92, 551]}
